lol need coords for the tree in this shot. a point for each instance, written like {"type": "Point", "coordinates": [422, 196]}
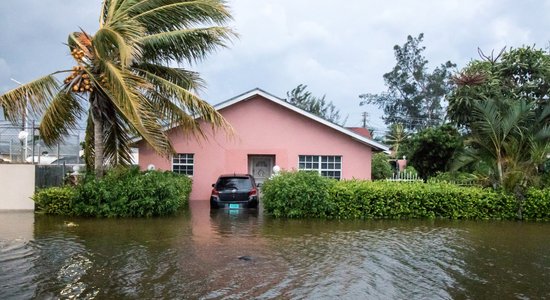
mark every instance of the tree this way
{"type": "Point", "coordinates": [303, 99]}
{"type": "Point", "coordinates": [381, 168]}
{"type": "Point", "coordinates": [521, 74]}
{"type": "Point", "coordinates": [414, 95]}
{"type": "Point", "coordinates": [503, 102]}
{"type": "Point", "coordinates": [511, 138]}
{"type": "Point", "coordinates": [432, 149]}
{"type": "Point", "coordinates": [396, 137]}
{"type": "Point", "coordinates": [124, 72]}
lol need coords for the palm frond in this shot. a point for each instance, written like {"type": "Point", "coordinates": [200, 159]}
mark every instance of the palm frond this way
{"type": "Point", "coordinates": [166, 15]}
{"type": "Point", "coordinates": [125, 94]}
{"type": "Point", "coordinates": [60, 117]}
{"type": "Point", "coordinates": [184, 45]}
{"type": "Point", "coordinates": [116, 137]}
{"type": "Point", "coordinates": [186, 100]}
{"type": "Point", "coordinates": [35, 95]}
{"type": "Point", "coordinates": [109, 44]}
{"type": "Point", "coordinates": [188, 80]}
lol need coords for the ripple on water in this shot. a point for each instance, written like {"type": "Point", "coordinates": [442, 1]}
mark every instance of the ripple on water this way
{"type": "Point", "coordinates": [16, 262]}
{"type": "Point", "coordinates": [373, 263]}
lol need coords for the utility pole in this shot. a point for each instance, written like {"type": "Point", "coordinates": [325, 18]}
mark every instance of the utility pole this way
{"type": "Point", "coordinates": [365, 116]}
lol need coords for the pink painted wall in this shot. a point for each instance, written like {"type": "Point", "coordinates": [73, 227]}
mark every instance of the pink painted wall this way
{"type": "Point", "coordinates": [261, 128]}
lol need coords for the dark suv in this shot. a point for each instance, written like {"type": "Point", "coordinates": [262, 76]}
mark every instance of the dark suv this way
{"type": "Point", "coordinates": [234, 191]}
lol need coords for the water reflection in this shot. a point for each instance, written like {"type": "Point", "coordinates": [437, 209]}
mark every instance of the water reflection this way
{"type": "Point", "coordinates": [196, 255]}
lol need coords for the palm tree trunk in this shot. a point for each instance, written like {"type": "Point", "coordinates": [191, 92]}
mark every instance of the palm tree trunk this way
{"type": "Point", "coordinates": [500, 175]}
{"type": "Point", "coordinates": [98, 136]}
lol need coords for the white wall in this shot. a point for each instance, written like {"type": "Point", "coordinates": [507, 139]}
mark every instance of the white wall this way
{"type": "Point", "coordinates": [16, 186]}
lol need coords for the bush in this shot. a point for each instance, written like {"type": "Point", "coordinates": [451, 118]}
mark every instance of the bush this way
{"type": "Point", "coordinates": [381, 168]}
{"type": "Point", "coordinates": [127, 192]}
{"type": "Point", "coordinates": [297, 195]}
{"type": "Point", "coordinates": [459, 178]}
{"type": "Point", "coordinates": [55, 200]}
{"type": "Point", "coordinates": [536, 205]}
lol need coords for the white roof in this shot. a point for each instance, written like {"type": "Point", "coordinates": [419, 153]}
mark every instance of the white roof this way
{"type": "Point", "coordinates": [259, 92]}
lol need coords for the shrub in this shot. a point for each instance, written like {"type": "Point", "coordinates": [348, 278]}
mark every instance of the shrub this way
{"type": "Point", "coordinates": [536, 205]}
{"type": "Point", "coordinates": [297, 195]}
{"type": "Point", "coordinates": [55, 200]}
{"type": "Point", "coordinates": [287, 196]}
{"type": "Point", "coordinates": [127, 192]}
{"type": "Point", "coordinates": [381, 168]}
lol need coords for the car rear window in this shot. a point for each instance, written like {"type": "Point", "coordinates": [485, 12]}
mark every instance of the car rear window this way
{"type": "Point", "coordinates": [229, 183]}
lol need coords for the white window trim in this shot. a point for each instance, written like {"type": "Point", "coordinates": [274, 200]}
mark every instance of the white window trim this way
{"type": "Point", "coordinates": [184, 164]}
{"type": "Point", "coordinates": [319, 162]}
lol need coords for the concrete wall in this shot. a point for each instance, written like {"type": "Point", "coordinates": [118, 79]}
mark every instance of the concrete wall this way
{"type": "Point", "coordinates": [16, 186]}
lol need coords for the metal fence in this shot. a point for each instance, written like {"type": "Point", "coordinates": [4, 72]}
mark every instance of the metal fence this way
{"type": "Point", "coordinates": [405, 177]}
{"type": "Point", "coordinates": [23, 144]}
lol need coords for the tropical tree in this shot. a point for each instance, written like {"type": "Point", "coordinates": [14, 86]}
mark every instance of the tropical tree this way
{"type": "Point", "coordinates": [414, 95]}
{"type": "Point", "coordinates": [396, 137]}
{"type": "Point", "coordinates": [511, 137]}
{"type": "Point", "coordinates": [124, 71]}
{"type": "Point", "coordinates": [511, 75]}
{"type": "Point", "coordinates": [381, 168]}
{"type": "Point", "coordinates": [432, 149]}
{"type": "Point", "coordinates": [302, 98]}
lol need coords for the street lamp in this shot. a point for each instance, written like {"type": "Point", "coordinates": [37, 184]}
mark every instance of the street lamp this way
{"type": "Point", "coordinates": [23, 134]}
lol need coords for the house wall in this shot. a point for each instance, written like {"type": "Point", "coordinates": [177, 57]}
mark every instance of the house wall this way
{"type": "Point", "coordinates": [261, 128]}
{"type": "Point", "coordinates": [17, 186]}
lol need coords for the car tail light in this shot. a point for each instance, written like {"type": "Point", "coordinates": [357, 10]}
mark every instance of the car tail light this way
{"type": "Point", "coordinates": [253, 192]}
{"type": "Point", "coordinates": [215, 193]}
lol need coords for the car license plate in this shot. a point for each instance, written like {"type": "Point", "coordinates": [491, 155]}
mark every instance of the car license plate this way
{"type": "Point", "coordinates": [234, 205]}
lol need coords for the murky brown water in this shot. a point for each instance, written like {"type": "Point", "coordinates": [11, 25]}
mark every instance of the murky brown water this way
{"type": "Point", "coordinates": [196, 255]}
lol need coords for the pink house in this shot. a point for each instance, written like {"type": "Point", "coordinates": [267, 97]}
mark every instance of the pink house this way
{"type": "Point", "coordinates": [268, 132]}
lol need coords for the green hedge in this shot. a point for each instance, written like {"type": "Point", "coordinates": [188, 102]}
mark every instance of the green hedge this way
{"type": "Point", "coordinates": [296, 195]}
{"type": "Point", "coordinates": [55, 200]}
{"type": "Point", "coordinates": [120, 193]}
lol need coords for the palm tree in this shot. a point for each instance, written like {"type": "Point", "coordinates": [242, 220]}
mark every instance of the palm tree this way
{"type": "Point", "coordinates": [396, 136]}
{"type": "Point", "coordinates": [124, 71]}
{"type": "Point", "coordinates": [509, 136]}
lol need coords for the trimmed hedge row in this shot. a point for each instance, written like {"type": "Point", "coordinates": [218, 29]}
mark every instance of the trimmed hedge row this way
{"type": "Point", "coordinates": [306, 194]}
{"type": "Point", "coordinates": [120, 193]}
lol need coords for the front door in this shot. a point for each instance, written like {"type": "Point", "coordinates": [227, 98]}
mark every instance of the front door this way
{"type": "Point", "coordinates": [260, 166]}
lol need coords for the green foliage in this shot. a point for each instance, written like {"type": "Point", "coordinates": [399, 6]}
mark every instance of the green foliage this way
{"type": "Point", "coordinates": [513, 75]}
{"type": "Point", "coordinates": [414, 95]}
{"type": "Point", "coordinates": [303, 99]}
{"type": "Point", "coordinates": [126, 78]}
{"type": "Point", "coordinates": [394, 200]}
{"type": "Point", "coordinates": [396, 137]}
{"type": "Point", "coordinates": [432, 149]}
{"type": "Point", "coordinates": [459, 178]}
{"type": "Point", "coordinates": [411, 170]}
{"type": "Point", "coordinates": [55, 200]}
{"type": "Point", "coordinates": [300, 194]}
{"type": "Point", "coordinates": [123, 192]}
{"type": "Point", "coordinates": [381, 168]}
{"type": "Point", "coordinates": [536, 205]}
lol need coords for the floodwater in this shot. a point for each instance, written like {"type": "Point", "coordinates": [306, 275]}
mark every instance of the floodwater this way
{"type": "Point", "coordinates": [239, 254]}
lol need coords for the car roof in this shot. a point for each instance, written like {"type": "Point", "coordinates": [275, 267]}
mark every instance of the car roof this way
{"type": "Point", "coordinates": [235, 175]}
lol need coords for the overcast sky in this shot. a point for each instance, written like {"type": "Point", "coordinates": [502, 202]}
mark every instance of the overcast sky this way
{"type": "Point", "coordinates": [338, 48]}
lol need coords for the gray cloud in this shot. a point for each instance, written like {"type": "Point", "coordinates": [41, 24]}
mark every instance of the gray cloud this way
{"type": "Point", "coordinates": [340, 49]}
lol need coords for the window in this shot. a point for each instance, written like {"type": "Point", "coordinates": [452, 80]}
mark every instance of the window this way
{"type": "Point", "coordinates": [182, 163]}
{"type": "Point", "coordinates": [328, 166]}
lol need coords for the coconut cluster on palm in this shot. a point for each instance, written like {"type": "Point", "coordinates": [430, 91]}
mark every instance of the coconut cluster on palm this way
{"type": "Point", "coordinates": [125, 71]}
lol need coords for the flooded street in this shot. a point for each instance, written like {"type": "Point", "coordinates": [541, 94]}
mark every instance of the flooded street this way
{"type": "Point", "coordinates": [239, 254]}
